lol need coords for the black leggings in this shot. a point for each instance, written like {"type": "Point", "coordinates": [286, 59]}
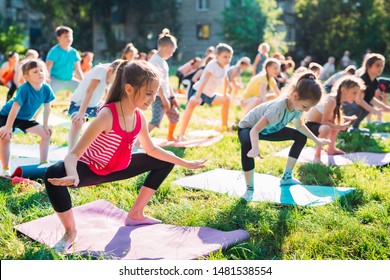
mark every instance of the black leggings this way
{"type": "Point", "coordinates": [286, 133]}
{"type": "Point", "coordinates": [140, 163]}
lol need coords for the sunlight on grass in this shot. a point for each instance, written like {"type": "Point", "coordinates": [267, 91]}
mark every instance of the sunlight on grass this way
{"type": "Point", "coordinates": [354, 227]}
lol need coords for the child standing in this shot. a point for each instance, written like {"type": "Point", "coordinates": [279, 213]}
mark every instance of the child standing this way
{"type": "Point", "coordinates": [62, 61]}
{"type": "Point", "coordinates": [165, 101]}
{"type": "Point", "coordinates": [203, 91]}
{"type": "Point", "coordinates": [257, 90]}
{"type": "Point", "coordinates": [268, 122]}
{"type": "Point", "coordinates": [18, 112]}
{"type": "Point", "coordinates": [234, 75]}
{"type": "Point", "coordinates": [7, 73]}
{"type": "Point", "coordinates": [87, 98]}
{"type": "Point", "coordinates": [260, 58]}
{"type": "Point", "coordinates": [324, 120]}
{"type": "Point", "coordinates": [104, 152]}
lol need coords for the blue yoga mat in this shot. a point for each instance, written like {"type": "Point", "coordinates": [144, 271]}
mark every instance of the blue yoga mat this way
{"type": "Point", "coordinates": [267, 188]}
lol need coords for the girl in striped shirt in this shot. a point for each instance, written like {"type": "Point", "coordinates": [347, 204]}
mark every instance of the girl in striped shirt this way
{"type": "Point", "coordinates": [104, 152]}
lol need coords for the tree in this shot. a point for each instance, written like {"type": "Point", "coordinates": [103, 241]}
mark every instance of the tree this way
{"type": "Point", "coordinates": [247, 23]}
{"type": "Point", "coordinates": [329, 27]}
{"type": "Point", "coordinates": [11, 37]}
{"type": "Point", "coordinates": [77, 14]}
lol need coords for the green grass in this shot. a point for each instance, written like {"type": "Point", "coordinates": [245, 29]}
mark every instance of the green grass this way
{"type": "Point", "coordinates": [355, 227]}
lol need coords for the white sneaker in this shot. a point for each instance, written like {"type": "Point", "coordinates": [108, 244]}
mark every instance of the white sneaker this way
{"type": "Point", "coordinates": [289, 181]}
{"type": "Point", "coordinates": [6, 173]}
{"type": "Point", "coordinates": [248, 195]}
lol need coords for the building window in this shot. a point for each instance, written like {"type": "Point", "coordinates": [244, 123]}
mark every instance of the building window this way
{"type": "Point", "coordinates": [203, 31]}
{"type": "Point", "coordinates": [202, 5]}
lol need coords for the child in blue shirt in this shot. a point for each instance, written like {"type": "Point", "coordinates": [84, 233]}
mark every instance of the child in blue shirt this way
{"type": "Point", "coordinates": [268, 121]}
{"type": "Point", "coordinates": [63, 60]}
{"type": "Point", "coordinates": [19, 111]}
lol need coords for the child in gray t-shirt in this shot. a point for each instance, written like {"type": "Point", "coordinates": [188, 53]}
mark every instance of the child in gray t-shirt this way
{"type": "Point", "coordinates": [268, 122]}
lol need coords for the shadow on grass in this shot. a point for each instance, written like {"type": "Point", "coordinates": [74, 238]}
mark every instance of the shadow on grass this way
{"type": "Point", "coordinates": [266, 224]}
{"type": "Point", "coordinates": [319, 174]}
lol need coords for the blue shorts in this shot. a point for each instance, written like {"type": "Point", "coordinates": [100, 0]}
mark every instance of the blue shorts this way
{"type": "Point", "coordinates": [206, 99]}
{"type": "Point", "coordinates": [90, 113]}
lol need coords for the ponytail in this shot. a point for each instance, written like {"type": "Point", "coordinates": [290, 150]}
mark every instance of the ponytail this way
{"type": "Point", "coordinates": [348, 81]}
{"type": "Point", "coordinates": [307, 86]}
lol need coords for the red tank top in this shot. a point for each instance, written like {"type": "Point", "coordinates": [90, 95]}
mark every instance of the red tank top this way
{"type": "Point", "coordinates": [111, 151]}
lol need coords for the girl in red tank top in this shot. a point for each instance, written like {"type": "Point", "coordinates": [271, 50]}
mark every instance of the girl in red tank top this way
{"type": "Point", "coordinates": [104, 152]}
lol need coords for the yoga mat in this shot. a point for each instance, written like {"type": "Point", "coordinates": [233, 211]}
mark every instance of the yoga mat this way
{"type": "Point", "coordinates": [101, 233]}
{"type": "Point", "coordinates": [382, 135]}
{"type": "Point", "coordinates": [56, 153]}
{"type": "Point", "coordinates": [199, 138]}
{"type": "Point", "coordinates": [372, 159]}
{"type": "Point", "coordinates": [266, 188]}
{"type": "Point", "coordinates": [55, 120]}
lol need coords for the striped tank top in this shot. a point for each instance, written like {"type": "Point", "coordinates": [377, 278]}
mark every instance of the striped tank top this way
{"type": "Point", "coordinates": [111, 151]}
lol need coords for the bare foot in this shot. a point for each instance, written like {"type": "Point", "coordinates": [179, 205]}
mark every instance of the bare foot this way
{"type": "Point", "coordinates": [335, 152]}
{"type": "Point", "coordinates": [66, 242]}
{"type": "Point", "coordinates": [182, 138]}
{"type": "Point", "coordinates": [317, 159]}
{"type": "Point", "coordinates": [144, 221]}
{"type": "Point", "coordinates": [173, 138]}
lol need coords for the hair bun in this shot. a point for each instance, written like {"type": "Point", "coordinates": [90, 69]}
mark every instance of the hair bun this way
{"type": "Point", "coordinates": [165, 31]}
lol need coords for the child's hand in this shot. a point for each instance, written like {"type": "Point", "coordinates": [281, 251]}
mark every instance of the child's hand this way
{"type": "Point", "coordinates": [323, 141]}
{"type": "Point", "coordinates": [47, 130]}
{"type": "Point", "coordinates": [195, 164]}
{"type": "Point", "coordinates": [166, 104]}
{"type": "Point", "coordinates": [65, 181]}
{"type": "Point", "coordinates": [4, 131]}
{"type": "Point", "coordinates": [378, 112]}
{"type": "Point", "coordinates": [254, 152]}
{"type": "Point", "coordinates": [197, 99]}
{"type": "Point", "coordinates": [78, 118]}
{"type": "Point", "coordinates": [174, 103]}
{"type": "Point", "coordinates": [344, 126]}
{"type": "Point", "coordinates": [350, 118]}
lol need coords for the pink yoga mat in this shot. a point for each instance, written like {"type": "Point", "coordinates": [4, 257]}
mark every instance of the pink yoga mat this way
{"type": "Point", "coordinates": [196, 142]}
{"type": "Point", "coordinates": [101, 233]}
{"type": "Point", "coordinates": [307, 155]}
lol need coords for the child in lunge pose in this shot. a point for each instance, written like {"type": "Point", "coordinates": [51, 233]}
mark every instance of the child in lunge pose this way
{"type": "Point", "coordinates": [203, 91]}
{"type": "Point", "coordinates": [268, 122]}
{"type": "Point", "coordinates": [325, 119]}
{"type": "Point", "coordinates": [19, 111]}
{"type": "Point", "coordinates": [166, 102]}
{"type": "Point", "coordinates": [104, 152]}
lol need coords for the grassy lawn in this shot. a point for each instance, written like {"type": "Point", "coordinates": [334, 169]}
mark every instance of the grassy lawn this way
{"type": "Point", "coordinates": [356, 227]}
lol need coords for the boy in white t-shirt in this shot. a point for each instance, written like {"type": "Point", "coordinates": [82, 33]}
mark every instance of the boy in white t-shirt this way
{"type": "Point", "coordinates": [87, 97]}
{"type": "Point", "coordinates": [203, 90]}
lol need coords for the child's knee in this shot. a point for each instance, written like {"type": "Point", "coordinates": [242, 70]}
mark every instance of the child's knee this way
{"type": "Point", "coordinates": [325, 130]}
{"type": "Point", "coordinates": [6, 139]}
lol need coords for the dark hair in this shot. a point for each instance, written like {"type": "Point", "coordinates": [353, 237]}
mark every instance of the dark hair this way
{"type": "Point", "coordinates": [307, 86]}
{"type": "Point", "coordinates": [351, 69]}
{"type": "Point", "coordinates": [31, 64]}
{"type": "Point", "coordinates": [62, 30]}
{"type": "Point", "coordinates": [372, 58]}
{"type": "Point", "coordinates": [137, 73]}
{"type": "Point", "coordinates": [348, 81]}
{"type": "Point", "coordinates": [165, 38]}
{"type": "Point", "coordinates": [222, 47]}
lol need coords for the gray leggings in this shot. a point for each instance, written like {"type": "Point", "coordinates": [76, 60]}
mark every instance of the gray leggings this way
{"type": "Point", "coordinates": [355, 109]}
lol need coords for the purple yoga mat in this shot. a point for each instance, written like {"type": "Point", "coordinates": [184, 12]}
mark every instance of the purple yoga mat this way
{"type": "Point", "coordinates": [372, 159]}
{"type": "Point", "coordinates": [101, 233]}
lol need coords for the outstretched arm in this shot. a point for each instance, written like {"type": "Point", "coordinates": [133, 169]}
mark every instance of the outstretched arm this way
{"type": "Point", "coordinates": [159, 153]}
